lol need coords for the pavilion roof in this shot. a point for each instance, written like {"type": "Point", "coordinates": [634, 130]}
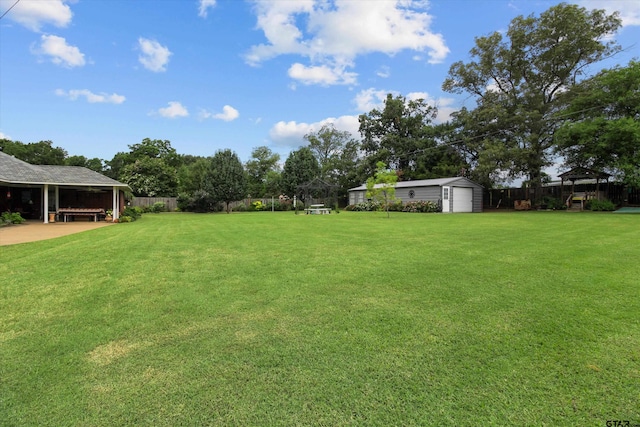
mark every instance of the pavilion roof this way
{"type": "Point", "coordinates": [582, 173]}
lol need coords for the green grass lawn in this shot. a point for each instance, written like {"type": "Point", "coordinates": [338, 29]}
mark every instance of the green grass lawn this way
{"type": "Point", "coordinates": [506, 319]}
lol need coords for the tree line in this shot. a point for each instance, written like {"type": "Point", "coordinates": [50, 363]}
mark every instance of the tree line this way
{"type": "Point", "coordinates": [534, 104]}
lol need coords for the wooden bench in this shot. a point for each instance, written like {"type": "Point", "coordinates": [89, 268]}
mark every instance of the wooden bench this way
{"type": "Point", "coordinates": [73, 212]}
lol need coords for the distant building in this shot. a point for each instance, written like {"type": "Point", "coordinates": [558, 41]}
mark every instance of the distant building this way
{"type": "Point", "coordinates": [456, 194]}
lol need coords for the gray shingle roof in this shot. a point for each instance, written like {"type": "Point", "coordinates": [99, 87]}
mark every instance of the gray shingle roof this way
{"type": "Point", "coordinates": [418, 183]}
{"type": "Point", "coordinates": [15, 171]}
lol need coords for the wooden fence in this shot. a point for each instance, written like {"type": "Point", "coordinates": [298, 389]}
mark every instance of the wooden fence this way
{"type": "Point", "coordinates": [617, 193]}
{"type": "Point", "coordinates": [170, 203]}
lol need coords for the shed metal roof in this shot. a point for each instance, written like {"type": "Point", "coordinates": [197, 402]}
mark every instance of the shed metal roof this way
{"type": "Point", "coordinates": [15, 171]}
{"type": "Point", "coordinates": [436, 182]}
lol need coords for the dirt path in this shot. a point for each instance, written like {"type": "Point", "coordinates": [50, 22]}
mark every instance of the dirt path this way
{"type": "Point", "coordinates": [31, 231]}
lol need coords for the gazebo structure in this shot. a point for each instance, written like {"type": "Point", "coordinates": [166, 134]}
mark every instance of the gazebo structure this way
{"type": "Point", "coordinates": [580, 174]}
{"type": "Point", "coordinates": [319, 189]}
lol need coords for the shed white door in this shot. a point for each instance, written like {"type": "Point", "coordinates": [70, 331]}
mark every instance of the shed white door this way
{"type": "Point", "coordinates": [446, 192]}
{"type": "Point", "coordinates": [462, 199]}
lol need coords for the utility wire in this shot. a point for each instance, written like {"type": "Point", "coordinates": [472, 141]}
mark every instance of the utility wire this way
{"type": "Point", "coordinates": [17, 1]}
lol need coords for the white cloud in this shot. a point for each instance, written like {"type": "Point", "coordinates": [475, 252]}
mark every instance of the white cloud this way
{"type": "Point", "coordinates": [154, 57]}
{"type": "Point", "coordinates": [34, 14]}
{"type": "Point", "coordinates": [228, 114]}
{"type": "Point", "coordinates": [277, 21]}
{"type": "Point", "coordinates": [203, 7]}
{"type": "Point", "coordinates": [413, 96]}
{"type": "Point", "coordinates": [384, 72]}
{"type": "Point", "coordinates": [368, 99]}
{"type": "Point", "coordinates": [629, 9]}
{"type": "Point", "coordinates": [60, 52]}
{"type": "Point", "coordinates": [91, 97]}
{"type": "Point", "coordinates": [338, 31]}
{"type": "Point", "coordinates": [291, 134]}
{"type": "Point", "coordinates": [322, 75]}
{"type": "Point", "coordinates": [4, 136]}
{"type": "Point", "coordinates": [174, 110]}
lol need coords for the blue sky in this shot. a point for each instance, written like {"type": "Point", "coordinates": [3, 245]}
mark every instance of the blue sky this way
{"type": "Point", "coordinates": [95, 76]}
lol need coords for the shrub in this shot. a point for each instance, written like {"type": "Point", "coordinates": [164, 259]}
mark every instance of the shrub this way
{"type": "Point", "coordinates": [396, 206]}
{"type": "Point", "coordinates": [553, 203]}
{"type": "Point", "coordinates": [11, 218]}
{"type": "Point", "coordinates": [368, 206]}
{"type": "Point", "coordinates": [199, 201]}
{"type": "Point", "coordinates": [257, 205]}
{"type": "Point", "coordinates": [601, 205]}
{"type": "Point", "coordinates": [277, 205]}
{"type": "Point", "coordinates": [423, 206]}
{"type": "Point", "coordinates": [269, 206]}
{"type": "Point", "coordinates": [158, 207]}
{"type": "Point", "coordinates": [131, 213]}
{"type": "Point", "coordinates": [184, 201]}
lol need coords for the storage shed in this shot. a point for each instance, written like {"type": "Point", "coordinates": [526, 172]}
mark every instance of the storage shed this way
{"type": "Point", "coordinates": [456, 194]}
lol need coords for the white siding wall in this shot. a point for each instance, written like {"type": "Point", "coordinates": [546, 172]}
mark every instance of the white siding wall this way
{"type": "Point", "coordinates": [427, 194]}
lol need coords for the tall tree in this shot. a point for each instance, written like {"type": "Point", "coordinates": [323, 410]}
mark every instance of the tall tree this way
{"type": "Point", "coordinates": [401, 136]}
{"type": "Point", "coordinates": [192, 175]}
{"type": "Point", "coordinates": [262, 162]}
{"type": "Point", "coordinates": [155, 149]}
{"type": "Point", "coordinates": [150, 166]}
{"type": "Point", "coordinates": [327, 145]}
{"type": "Point", "coordinates": [349, 167]}
{"type": "Point", "coordinates": [117, 163]}
{"type": "Point", "coordinates": [382, 186]}
{"type": "Point", "coordinates": [151, 177]}
{"type": "Point", "coordinates": [338, 155]}
{"type": "Point", "coordinates": [94, 164]}
{"type": "Point", "coordinates": [478, 140]}
{"type": "Point", "coordinates": [36, 153]}
{"type": "Point", "coordinates": [602, 130]}
{"type": "Point", "coordinates": [273, 183]}
{"type": "Point", "coordinates": [226, 181]}
{"type": "Point", "coordinates": [519, 78]}
{"type": "Point", "coordinates": [300, 167]}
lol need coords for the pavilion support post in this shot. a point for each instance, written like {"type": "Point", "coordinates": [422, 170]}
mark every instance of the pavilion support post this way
{"type": "Point", "coordinates": [45, 206]}
{"type": "Point", "coordinates": [116, 203]}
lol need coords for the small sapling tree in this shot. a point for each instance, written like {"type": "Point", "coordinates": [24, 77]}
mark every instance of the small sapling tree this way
{"type": "Point", "coordinates": [382, 187]}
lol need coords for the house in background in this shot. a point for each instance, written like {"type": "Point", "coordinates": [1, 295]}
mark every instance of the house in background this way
{"type": "Point", "coordinates": [34, 191]}
{"type": "Point", "coordinates": [456, 194]}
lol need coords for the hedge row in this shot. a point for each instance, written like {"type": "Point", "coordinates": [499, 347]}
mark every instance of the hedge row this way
{"type": "Point", "coordinates": [397, 206]}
